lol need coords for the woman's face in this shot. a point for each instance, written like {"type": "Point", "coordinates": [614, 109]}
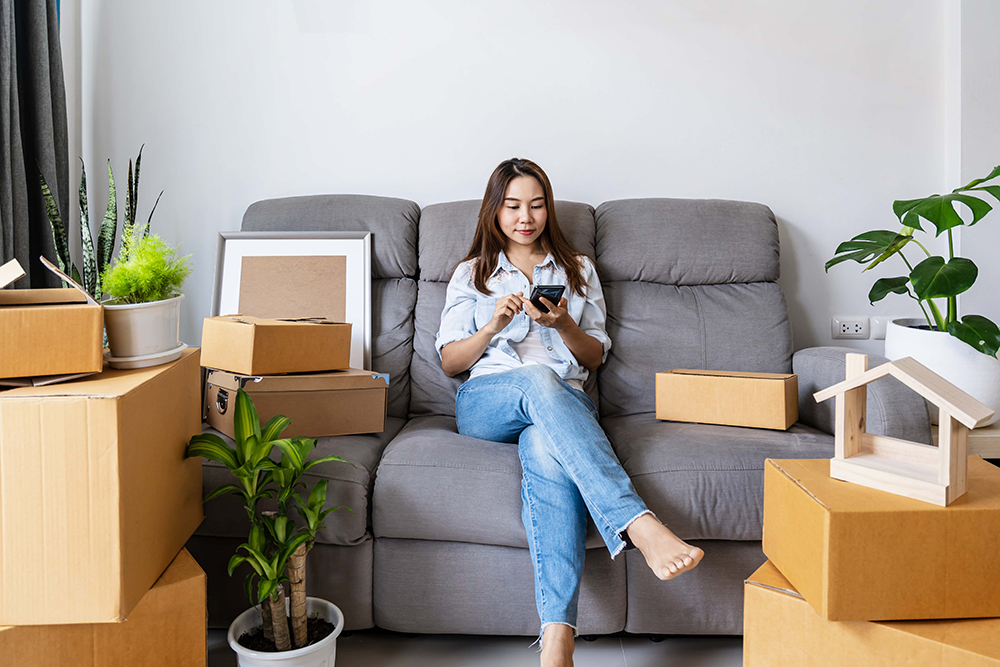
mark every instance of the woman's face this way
{"type": "Point", "coordinates": [522, 215]}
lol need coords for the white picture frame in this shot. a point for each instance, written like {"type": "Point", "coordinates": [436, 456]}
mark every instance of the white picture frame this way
{"type": "Point", "coordinates": [355, 246]}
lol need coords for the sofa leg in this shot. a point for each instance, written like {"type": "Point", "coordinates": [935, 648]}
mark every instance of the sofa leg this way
{"type": "Point", "coordinates": [588, 638]}
{"type": "Point", "coordinates": [657, 638]}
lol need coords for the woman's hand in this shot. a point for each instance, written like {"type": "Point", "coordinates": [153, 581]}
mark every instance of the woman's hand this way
{"type": "Point", "coordinates": [558, 317]}
{"type": "Point", "coordinates": [507, 307]}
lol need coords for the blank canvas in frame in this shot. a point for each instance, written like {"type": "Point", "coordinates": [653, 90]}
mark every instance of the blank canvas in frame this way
{"type": "Point", "coordinates": [273, 274]}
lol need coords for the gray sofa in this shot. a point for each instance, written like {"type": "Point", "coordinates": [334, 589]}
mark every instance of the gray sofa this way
{"type": "Point", "coordinates": [435, 542]}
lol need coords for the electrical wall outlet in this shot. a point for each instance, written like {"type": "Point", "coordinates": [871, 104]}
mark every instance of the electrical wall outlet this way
{"type": "Point", "coordinates": [844, 326]}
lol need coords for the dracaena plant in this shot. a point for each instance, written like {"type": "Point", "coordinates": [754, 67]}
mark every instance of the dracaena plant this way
{"type": "Point", "coordinates": [276, 548]}
{"type": "Point", "coordinates": [95, 261]}
{"type": "Point", "coordinates": [933, 277]}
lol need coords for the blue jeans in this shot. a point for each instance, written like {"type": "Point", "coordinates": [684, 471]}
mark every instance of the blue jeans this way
{"type": "Point", "coordinates": [569, 468]}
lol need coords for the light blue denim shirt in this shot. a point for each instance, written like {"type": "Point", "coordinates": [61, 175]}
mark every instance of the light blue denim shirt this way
{"type": "Point", "coordinates": [466, 311]}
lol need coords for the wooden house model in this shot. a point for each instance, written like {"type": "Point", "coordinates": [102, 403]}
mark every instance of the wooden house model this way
{"type": "Point", "coordinates": [924, 472]}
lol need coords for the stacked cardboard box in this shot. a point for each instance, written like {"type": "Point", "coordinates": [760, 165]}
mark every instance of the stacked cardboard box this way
{"type": "Point", "coordinates": [861, 575]}
{"type": "Point", "coordinates": [296, 368]}
{"type": "Point", "coordinates": [97, 499]}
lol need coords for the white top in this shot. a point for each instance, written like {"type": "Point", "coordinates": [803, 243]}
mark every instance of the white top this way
{"type": "Point", "coordinates": [531, 350]}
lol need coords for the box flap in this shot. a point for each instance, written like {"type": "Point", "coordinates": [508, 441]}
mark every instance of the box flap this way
{"type": "Point", "coordinates": [813, 476]}
{"type": "Point", "coordinates": [768, 576]}
{"type": "Point", "coordinates": [350, 378]}
{"type": "Point", "coordinates": [40, 297]}
{"type": "Point", "coordinates": [69, 281]}
{"type": "Point", "coordinates": [732, 374]}
{"type": "Point", "coordinates": [10, 272]}
{"type": "Point", "coordinates": [271, 322]}
{"type": "Point", "coordinates": [41, 380]}
{"type": "Point", "coordinates": [111, 383]}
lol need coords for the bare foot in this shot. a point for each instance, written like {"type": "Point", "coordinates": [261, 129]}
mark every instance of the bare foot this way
{"type": "Point", "coordinates": [666, 554]}
{"type": "Point", "coordinates": [557, 646]}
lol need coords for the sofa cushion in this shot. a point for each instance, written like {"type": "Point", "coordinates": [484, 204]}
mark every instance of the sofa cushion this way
{"type": "Point", "coordinates": [393, 301]}
{"type": "Point", "coordinates": [349, 486]}
{"type": "Point", "coordinates": [686, 241]}
{"type": "Point", "coordinates": [656, 327]}
{"type": "Point", "coordinates": [706, 482]}
{"type": "Point", "coordinates": [434, 484]}
{"type": "Point", "coordinates": [393, 223]}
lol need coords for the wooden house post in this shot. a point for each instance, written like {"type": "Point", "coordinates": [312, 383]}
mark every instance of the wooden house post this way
{"type": "Point", "coordinates": [850, 411]}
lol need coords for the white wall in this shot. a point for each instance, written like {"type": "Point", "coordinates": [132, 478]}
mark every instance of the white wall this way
{"type": "Point", "coordinates": [980, 148]}
{"type": "Point", "coordinates": [826, 112]}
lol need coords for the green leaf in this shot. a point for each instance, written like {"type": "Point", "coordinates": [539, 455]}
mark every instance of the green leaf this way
{"type": "Point", "coordinates": [902, 207]}
{"type": "Point", "coordinates": [149, 221]}
{"type": "Point", "coordinates": [213, 448]}
{"type": "Point", "coordinates": [992, 189]}
{"type": "Point", "coordinates": [885, 286]}
{"type": "Point", "coordinates": [971, 185]}
{"type": "Point", "coordinates": [864, 247]}
{"type": "Point", "coordinates": [934, 278]}
{"type": "Point", "coordinates": [60, 238]}
{"type": "Point", "coordinates": [135, 186]}
{"type": "Point", "coordinates": [317, 497]}
{"type": "Point", "coordinates": [86, 240]}
{"type": "Point", "coordinates": [75, 275]}
{"type": "Point", "coordinates": [893, 249]}
{"type": "Point", "coordinates": [248, 587]}
{"type": "Point", "coordinates": [290, 546]}
{"type": "Point", "coordinates": [292, 453]}
{"type": "Point", "coordinates": [979, 332]}
{"type": "Point", "coordinates": [267, 586]}
{"type": "Point", "coordinates": [940, 210]}
{"type": "Point", "coordinates": [129, 223]}
{"type": "Point", "coordinates": [109, 227]}
{"type": "Point", "coordinates": [328, 458]}
{"type": "Point", "coordinates": [222, 490]}
{"type": "Point", "coordinates": [245, 422]}
{"type": "Point", "coordinates": [274, 426]}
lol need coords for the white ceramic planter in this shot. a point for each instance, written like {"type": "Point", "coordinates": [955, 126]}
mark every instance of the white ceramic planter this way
{"type": "Point", "coordinates": [143, 330]}
{"type": "Point", "coordinates": [321, 654]}
{"type": "Point", "coordinates": [968, 369]}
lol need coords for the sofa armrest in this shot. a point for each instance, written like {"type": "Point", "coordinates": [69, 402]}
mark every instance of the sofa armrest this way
{"type": "Point", "coordinates": [893, 408]}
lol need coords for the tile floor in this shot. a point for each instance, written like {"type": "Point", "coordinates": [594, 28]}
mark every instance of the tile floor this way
{"type": "Point", "coordinates": [378, 648]}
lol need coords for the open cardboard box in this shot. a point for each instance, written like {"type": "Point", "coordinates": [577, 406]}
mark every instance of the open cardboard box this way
{"type": "Point", "coordinates": [166, 629]}
{"type": "Point", "coordinates": [96, 495]}
{"type": "Point", "coordinates": [47, 335]}
{"type": "Point", "coordinates": [319, 404]}
{"type": "Point", "coordinates": [860, 554]}
{"type": "Point", "coordinates": [730, 398]}
{"type": "Point", "coordinates": [259, 346]}
{"type": "Point", "coordinates": [780, 629]}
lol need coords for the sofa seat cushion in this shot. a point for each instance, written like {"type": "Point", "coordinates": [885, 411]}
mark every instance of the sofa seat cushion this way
{"type": "Point", "coordinates": [349, 486]}
{"type": "Point", "coordinates": [706, 482]}
{"type": "Point", "coordinates": [435, 484]}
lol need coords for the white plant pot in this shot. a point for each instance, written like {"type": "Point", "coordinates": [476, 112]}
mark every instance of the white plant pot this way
{"type": "Point", "coordinates": [321, 654]}
{"type": "Point", "coordinates": [957, 362]}
{"type": "Point", "coordinates": [143, 329]}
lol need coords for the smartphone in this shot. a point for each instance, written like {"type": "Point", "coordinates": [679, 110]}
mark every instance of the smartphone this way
{"type": "Point", "coordinates": [551, 292]}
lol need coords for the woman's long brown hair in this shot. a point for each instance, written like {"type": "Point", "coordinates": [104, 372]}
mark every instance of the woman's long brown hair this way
{"type": "Point", "coordinates": [489, 240]}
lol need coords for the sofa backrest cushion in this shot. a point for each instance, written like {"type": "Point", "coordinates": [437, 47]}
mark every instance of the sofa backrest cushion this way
{"type": "Point", "coordinates": [445, 234]}
{"type": "Point", "coordinates": [688, 284]}
{"type": "Point", "coordinates": [393, 223]}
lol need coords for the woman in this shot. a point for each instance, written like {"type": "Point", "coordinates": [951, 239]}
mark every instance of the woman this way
{"type": "Point", "coordinates": [526, 386]}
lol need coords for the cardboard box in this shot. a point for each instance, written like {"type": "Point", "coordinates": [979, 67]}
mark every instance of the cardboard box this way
{"type": "Point", "coordinates": [859, 554]}
{"type": "Point", "coordinates": [780, 629]}
{"type": "Point", "coordinates": [758, 400]}
{"type": "Point", "coordinates": [338, 403]}
{"type": "Point", "coordinates": [166, 629]}
{"type": "Point", "coordinates": [48, 332]}
{"type": "Point", "coordinates": [257, 346]}
{"type": "Point", "coordinates": [96, 496]}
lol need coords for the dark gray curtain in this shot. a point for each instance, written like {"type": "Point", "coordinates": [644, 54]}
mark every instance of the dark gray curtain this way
{"type": "Point", "coordinates": [34, 132]}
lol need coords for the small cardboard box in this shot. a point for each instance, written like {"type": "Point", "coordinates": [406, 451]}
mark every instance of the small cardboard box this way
{"type": "Point", "coordinates": [319, 404]}
{"type": "Point", "coordinates": [96, 496]}
{"type": "Point", "coordinates": [166, 629]}
{"type": "Point", "coordinates": [48, 332]}
{"type": "Point", "coordinates": [780, 629]}
{"type": "Point", "coordinates": [859, 554]}
{"type": "Point", "coordinates": [258, 346]}
{"type": "Point", "coordinates": [757, 400]}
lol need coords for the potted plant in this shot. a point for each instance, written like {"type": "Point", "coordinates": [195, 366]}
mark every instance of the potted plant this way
{"type": "Point", "coordinates": [142, 317]}
{"type": "Point", "coordinates": [276, 547]}
{"type": "Point", "coordinates": [963, 350]}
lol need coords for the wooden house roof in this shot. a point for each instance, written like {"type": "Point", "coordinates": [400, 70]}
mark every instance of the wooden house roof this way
{"type": "Point", "coordinates": [925, 382]}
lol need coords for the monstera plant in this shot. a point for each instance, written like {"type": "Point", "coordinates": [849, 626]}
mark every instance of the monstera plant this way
{"type": "Point", "coordinates": [932, 280]}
